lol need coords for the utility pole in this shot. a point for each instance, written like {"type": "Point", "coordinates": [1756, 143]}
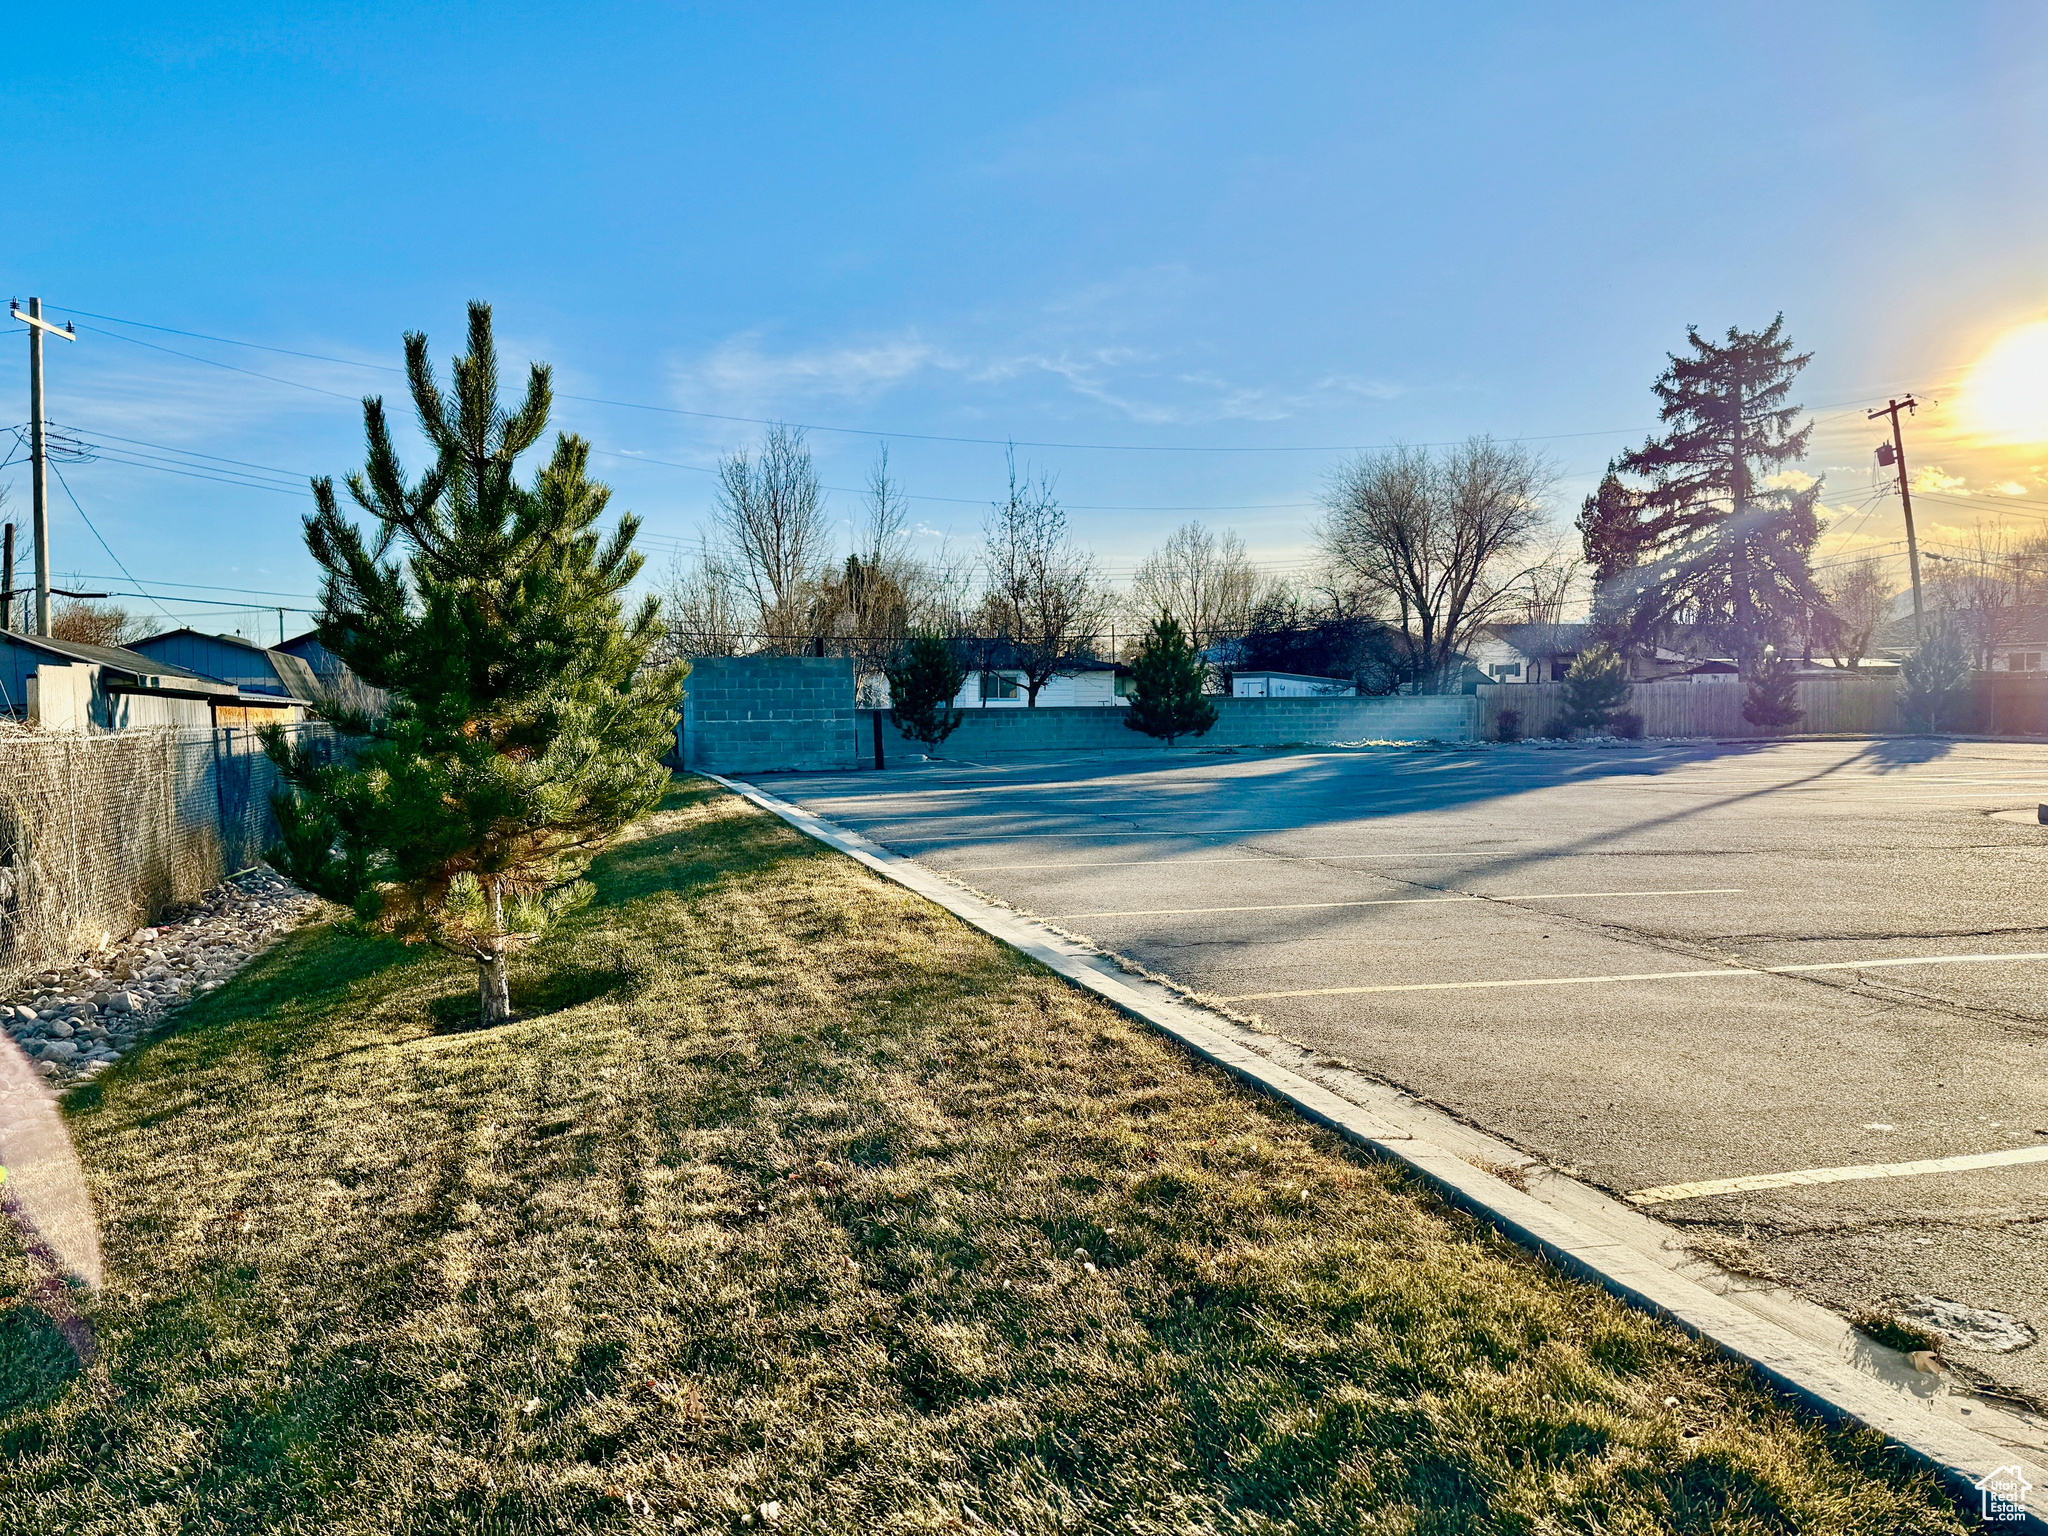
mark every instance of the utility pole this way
{"type": "Point", "coordinates": [38, 449]}
{"type": "Point", "coordinates": [7, 579]}
{"type": "Point", "coordinates": [1898, 457]}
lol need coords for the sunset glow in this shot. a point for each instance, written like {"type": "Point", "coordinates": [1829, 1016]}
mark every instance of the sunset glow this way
{"type": "Point", "coordinates": [2006, 396]}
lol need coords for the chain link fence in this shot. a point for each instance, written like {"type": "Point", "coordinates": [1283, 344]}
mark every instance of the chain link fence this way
{"type": "Point", "coordinates": [101, 834]}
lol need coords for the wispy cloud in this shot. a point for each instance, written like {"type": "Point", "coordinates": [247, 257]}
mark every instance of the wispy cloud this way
{"type": "Point", "coordinates": [742, 376]}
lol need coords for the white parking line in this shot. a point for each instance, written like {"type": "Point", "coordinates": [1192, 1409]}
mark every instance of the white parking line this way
{"type": "Point", "coordinates": [1400, 901]}
{"type": "Point", "coordinates": [1079, 834]}
{"type": "Point", "coordinates": [1581, 981]}
{"type": "Point", "coordinates": [1268, 858]}
{"type": "Point", "coordinates": [1665, 1193]}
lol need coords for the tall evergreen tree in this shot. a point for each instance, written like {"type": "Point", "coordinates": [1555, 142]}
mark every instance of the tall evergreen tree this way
{"type": "Point", "coordinates": [525, 728]}
{"type": "Point", "coordinates": [1685, 528]}
{"type": "Point", "coordinates": [1170, 675]}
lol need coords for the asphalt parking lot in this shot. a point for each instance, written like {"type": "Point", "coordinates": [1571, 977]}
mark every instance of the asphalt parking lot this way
{"type": "Point", "coordinates": [1739, 983]}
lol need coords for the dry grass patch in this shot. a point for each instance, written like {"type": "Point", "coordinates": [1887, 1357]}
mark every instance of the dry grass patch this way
{"type": "Point", "coordinates": [793, 1194]}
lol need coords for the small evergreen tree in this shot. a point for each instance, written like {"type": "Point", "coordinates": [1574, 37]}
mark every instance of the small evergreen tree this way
{"type": "Point", "coordinates": [525, 728]}
{"type": "Point", "coordinates": [1933, 681]}
{"type": "Point", "coordinates": [1772, 702]}
{"type": "Point", "coordinates": [924, 679]}
{"type": "Point", "coordinates": [1595, 687]}
{"type": "Point", "coordinates": [1169, 674]}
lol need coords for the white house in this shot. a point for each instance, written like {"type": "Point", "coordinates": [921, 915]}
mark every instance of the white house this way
{"type": "Point", "coordinates": [1525, 653]}
{"type": "Point", "coordinates": [1289, 685]}
{"type": "Point", "coordinates": [1544, 653]}
{"type": "Point", "coordinates": [1094, 685]}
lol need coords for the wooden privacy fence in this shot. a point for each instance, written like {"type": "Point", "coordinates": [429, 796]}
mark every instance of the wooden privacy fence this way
{"type": "Point", "coordinates": [1999, 704]}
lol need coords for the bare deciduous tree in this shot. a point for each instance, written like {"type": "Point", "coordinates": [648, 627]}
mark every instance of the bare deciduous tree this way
{"type": "Point", "coordinates": [84, 622]}
{"type": "Point", "coordinates": [1205, 581]}
{"type": "Point", "coordinates": [1978, 585]}
{"type": "Point", "coordinates": [1859, 597]}
{"type": "Point", "coordinates": [1556, 586]}
{"type": "Point", "coordinates": [702, 606]}
{"type": "Point", "coordinates": [1443, 540]}
{"type": "Point", "coordinates": [1044, 597]}
{"type": "Point", "coordinates": [866, 605]}
{"type": "Point", "coordinates": [771, 516]}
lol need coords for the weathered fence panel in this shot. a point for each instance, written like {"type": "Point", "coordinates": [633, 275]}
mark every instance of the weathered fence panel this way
{"type": "Point", "coordinates": [1998, 704]}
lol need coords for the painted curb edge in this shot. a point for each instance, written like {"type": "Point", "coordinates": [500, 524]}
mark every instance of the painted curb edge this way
{"type": "Point", "coordinates": [1959, 1456]}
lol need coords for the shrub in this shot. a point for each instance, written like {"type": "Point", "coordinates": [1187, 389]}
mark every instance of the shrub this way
{"type": "Point", "coordinates": [1933, 681]}
{"type": "Point", "coordinates": [1626, 724]}
{"type": "Point", "coordinates": [924, 679]}
{"type": "Point", "coordinates": [1772, 703]}
{"type": "Point", "coordinates": [1595, 688]}
{"type": "Point", "coordinates": [1507, 725]}
{"type": "Point", "coordinates": [1169, 675]}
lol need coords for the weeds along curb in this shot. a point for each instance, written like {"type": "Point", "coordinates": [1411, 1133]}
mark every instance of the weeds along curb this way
{"type": "Point", "coordinates": [1836, 1390]}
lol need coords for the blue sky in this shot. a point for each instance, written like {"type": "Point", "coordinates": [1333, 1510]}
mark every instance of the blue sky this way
{"type": "Point", "coordinates": [1143, 233]}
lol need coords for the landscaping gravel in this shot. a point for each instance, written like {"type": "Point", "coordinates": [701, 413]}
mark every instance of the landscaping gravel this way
{"type": "Point", "coordinates": [76, 1021]}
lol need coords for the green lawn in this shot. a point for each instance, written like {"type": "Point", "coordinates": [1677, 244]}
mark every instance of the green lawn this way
{"type": "Point", "coordinates": [791, 1188]}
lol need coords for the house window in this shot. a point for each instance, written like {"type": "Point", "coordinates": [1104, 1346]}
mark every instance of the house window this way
{"type": "Point", "coordinates": [2024, 661]}
{"type": "Point", "coordinates": [1000, 685]}
{"type": "Point", "coordinates": [1503, 669]}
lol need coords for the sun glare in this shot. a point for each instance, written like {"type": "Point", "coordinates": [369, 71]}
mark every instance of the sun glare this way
{"type": "Point", "coordinates": [2007, 394]}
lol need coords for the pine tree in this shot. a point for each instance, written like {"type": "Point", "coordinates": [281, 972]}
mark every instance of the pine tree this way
{"type": "Point", "coordinates": [924, 680]}
{"type": "Point", "coordinates": [1933, 680]}
{"type": "Point", "coordinates": [1595, 687]}
{"type": "Point", "coordinates": [525, 727]}
{"type": "Point", "coordinates": [1686, 528]}
{"type": "Point", "coordinates": [1169, 674]}
{"type": "Point", "coordinates": [1772, 700]}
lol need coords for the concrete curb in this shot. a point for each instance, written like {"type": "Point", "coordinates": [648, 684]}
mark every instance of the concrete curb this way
{"type": "Point", "coordinates": [1569, 1225]}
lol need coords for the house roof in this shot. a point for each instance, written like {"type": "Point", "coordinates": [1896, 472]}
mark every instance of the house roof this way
{"type": "Point", "coordinates": [1065, 670]}
{"type": "Point", "coordinates": [119, 657]}
{"type": "Point", "coordinates": [297, 675]}
{"type": "Point", "coordinates": [1542, 639]}
{"type": "Point", "coordinates": [201, 634]}
{"type": "Point", "coordinates": [2026, 624]}
{"type": "Point", "coordinates": [1296, 677]}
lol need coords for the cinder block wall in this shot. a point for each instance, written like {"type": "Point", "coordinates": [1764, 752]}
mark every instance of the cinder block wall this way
{"type": "Point", "coordinates": [763, 714]}
{"type": "Point", "coordinates": [993, 733]}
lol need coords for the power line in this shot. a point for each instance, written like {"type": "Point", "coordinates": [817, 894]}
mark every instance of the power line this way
{"type": "Point", "coordinates": [103, 543]}
{"type": "Point", "coordinates": [932, 437]}
{"type": "Point", "coordinates": [214, 602]}
{"type": "Point", "coordinates": [213, 362]}
{"type": "Point", "coordinates": [229, 341]}
{"type": "Point", "coordinates": [194, 453]}
{"type": "Point", "coordinates": [247, 484]}
{"type": "Point", "coordinates": [196, 586]}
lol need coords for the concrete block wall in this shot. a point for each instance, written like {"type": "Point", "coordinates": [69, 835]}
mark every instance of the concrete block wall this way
{"type": "Point", "coordinates": [998, 733]}
{"type": "Point", "coordinates": [766, 714]}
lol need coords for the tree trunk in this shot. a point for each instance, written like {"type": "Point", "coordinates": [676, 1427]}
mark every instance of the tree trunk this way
{"type": "Point", "coordinates": [494, 992]}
